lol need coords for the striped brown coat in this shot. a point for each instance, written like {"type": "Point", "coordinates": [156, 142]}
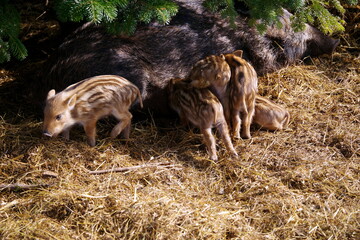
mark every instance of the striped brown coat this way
{"type": "Point", "coordinates": [269, 115]}
{"type": "Point", "coordinates": [201, 108]}
{"type": "Point", "coordinates": [86, 102]}
{"type": "Point", "coordinates": [242, 90]}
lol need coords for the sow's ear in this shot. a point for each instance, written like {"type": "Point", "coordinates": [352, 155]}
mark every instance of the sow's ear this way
{"type": "Point", "coordinates": [238, 53]}
{"type": "Point", "coordinates": [72, 101]}
{"type": "Point", "coordinates": [51, 93]}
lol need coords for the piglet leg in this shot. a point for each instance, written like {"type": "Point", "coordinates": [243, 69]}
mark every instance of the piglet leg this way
{"type": "Point", "coordinates": [236, 124]}
{"type": "Point", "coordinates": [66, 134]}
{"type": "Point", "coordinates": [125, 134]}
{"type": "Point", "coordinates": [210, 143]}
{"type": "Point", "coordinates": [90, 131]}
{"type": "Point", "coordinates": [224, 133]}
{"type": "Point", "coordinates": [125, 120]}
{"type": "Point", "coordinates": [247, 116]}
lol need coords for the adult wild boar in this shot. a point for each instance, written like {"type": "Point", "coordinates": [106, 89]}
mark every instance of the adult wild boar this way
{"type": "Point", "coordinates": [155, 54]}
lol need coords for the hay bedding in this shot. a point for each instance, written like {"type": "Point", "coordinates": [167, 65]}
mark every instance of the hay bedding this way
{"type": "Point", "coordinates": [301, 183]}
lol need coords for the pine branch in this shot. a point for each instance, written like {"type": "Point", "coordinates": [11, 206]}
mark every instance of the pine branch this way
{"type": "Point", "coordinates": [9, 31]}
{"type": "Point", "coordinates": [16, 48]}
{"type": "Point", "coordinates": [4, 51]}
{"type": "Point", "coordinates": [123, 16]}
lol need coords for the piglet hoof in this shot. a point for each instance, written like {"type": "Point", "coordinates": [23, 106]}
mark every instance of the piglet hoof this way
{"type": "Point", "coordinates": [245, 136]}
{"type": "Point", "coordinates": [234, 155]}
{"type": "Point", "coordinates": [125, 134]}
{"type": "Point", "coordinates": [113, 134]}
{"type": "Point", "coordinates": [214, 157]}
{"type": "Point", "coordinates": [91, 142]}
{"type": "Point", "coordinates": [237, 137]}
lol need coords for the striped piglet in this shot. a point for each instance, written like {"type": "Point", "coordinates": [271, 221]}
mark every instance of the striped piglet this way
{"type": "Point", "coordinates": [86, 102]}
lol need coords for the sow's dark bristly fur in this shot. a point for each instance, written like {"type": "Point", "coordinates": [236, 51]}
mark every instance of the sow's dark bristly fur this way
{"type": "Point", "coordinates": [155, 54]}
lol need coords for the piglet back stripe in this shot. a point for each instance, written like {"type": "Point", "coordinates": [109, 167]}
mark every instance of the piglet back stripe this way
{"type": "Point", "coordinates": [90, 84]}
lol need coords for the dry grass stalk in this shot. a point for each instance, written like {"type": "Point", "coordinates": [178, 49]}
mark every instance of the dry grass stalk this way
{"type": "Point", "coordinates": [126, 169]}
{"type": "Point", "coordinates": [21, 186]}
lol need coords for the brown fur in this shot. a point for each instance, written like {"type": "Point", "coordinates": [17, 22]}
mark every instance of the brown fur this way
{"type": "Point", "coordinates": [201, 108]}
{"type": "Point", "coordinates": [86, 102]}
{"type": "Point", "coordinates": [234, 82]}
{"type": "Point", "coordinates": [270, 116]}
{"type": "Point", "coordinates": [242, 89]}
{"type": "Point", "coordinates": [212, 72]}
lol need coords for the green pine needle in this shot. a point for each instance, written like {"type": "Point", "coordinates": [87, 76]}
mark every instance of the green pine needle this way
{"type": "Point", "coordinates": [123, 16]}
{"type": "Point", "coordinates": [9, 31]}
{"type": "Point", "coordinates": [4, 51]}
{"type": "Point", "coordinates": [16, 48]}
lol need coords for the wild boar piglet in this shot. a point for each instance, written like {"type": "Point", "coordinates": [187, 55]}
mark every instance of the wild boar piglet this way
{"type": "Point", "coordinates": [269, 115]}
{"type": "Point", "coordinates": [212, 72]}
{"type": "Point", "coordinates": [202, 109]}
{"type": "Point", "coordinates": [241, 92]}
{"type": "Point", "coordinates": [86, 102]}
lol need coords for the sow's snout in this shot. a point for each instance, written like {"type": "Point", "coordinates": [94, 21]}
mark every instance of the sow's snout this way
{"type": "Point", "coordinates": [321, 44]}
{"type": "Point", "coordinates": [335, 43]}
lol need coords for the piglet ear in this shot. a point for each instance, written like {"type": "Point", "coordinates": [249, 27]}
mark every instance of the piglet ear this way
{"type": "Point", "coordinates": [51, 93]}
{"type": "Point", "coordinates": [72, 101]}
{"type": "Point", "coordinates": [238, 53]}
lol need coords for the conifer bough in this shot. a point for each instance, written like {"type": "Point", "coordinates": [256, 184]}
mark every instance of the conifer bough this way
{"type": "Point", "coordinates": [123, 16]}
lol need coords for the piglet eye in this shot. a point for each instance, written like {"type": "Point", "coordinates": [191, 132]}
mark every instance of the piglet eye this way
{"type": "Point", "coordinates": [58, 117]}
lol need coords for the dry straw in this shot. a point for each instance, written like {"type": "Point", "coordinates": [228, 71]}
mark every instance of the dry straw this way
{"type": "Point", "coordinates": [300, 183]}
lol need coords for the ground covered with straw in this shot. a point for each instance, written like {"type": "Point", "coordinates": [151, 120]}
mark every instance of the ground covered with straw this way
{"type": "Point", "coordinates": [300, 183]}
